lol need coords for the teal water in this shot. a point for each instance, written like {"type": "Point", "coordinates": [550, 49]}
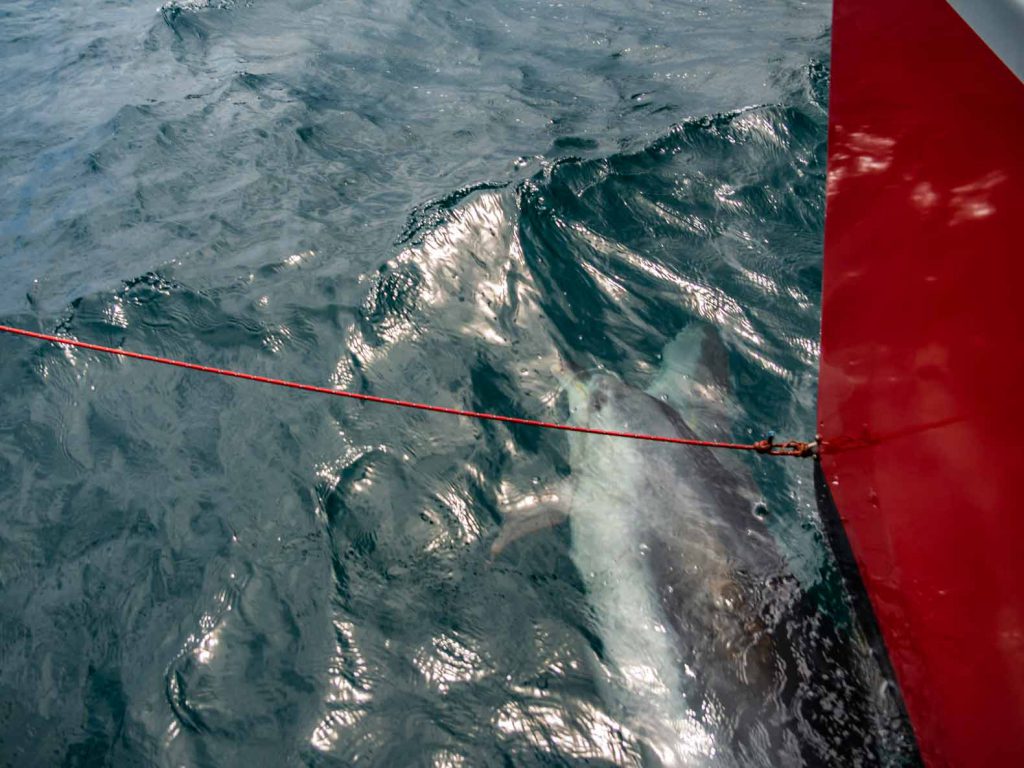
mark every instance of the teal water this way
{"type": "Point", "coordinates": [422, 200]}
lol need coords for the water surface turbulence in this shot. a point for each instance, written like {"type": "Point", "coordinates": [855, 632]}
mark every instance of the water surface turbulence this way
{"type": "Point", "coordinates": [437, 201]}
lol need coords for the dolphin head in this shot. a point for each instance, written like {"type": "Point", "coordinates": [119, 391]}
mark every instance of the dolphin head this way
{"type": "Point", "coordinates": [604, 401]}
{"type": "Point", "coordinates": [588, 394]}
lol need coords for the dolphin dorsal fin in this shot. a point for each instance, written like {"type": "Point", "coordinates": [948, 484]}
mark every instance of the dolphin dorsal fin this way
{"type": "Point", "coordinates": [697, 354]}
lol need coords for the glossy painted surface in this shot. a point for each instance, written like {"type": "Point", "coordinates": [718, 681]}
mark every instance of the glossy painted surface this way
{"type": "Point", "coordinates": [921, 372]}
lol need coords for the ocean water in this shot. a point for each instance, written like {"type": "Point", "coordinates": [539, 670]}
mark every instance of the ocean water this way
{"type": "Point", "coordinates": [430, 201]}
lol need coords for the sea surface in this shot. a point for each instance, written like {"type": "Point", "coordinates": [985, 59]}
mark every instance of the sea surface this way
{"type": "Point", "coordinates": [424, 200]}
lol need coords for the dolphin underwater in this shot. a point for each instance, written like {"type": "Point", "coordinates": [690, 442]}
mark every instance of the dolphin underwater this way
{"type": "Point", "coordinates": [711, 653]}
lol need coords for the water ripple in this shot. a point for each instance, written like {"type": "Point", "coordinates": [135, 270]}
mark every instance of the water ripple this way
{"type": "Point", "coordinates": [441, 202]}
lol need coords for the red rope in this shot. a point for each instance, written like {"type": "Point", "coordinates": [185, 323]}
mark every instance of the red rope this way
{"type": "Point", "coordinates": [767, 446]}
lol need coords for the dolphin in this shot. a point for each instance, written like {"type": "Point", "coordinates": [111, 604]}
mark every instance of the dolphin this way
{"type": "Point", "coordinates": [710, 651]}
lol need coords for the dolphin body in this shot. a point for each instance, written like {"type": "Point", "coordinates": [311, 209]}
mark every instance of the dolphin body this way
{"type": "Point", "coordinates": [711, 653]}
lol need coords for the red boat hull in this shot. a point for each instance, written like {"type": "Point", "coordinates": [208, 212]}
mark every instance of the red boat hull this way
{"type": "Point", "coordinates": [922, 364]}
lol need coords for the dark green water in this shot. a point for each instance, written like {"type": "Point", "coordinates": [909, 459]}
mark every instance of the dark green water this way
{"type": "Point", "coordinates": [423, 200]}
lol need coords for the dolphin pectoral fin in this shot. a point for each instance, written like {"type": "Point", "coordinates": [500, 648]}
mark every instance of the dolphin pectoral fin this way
{"type": "Point", "coordinates": [523, 522]}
